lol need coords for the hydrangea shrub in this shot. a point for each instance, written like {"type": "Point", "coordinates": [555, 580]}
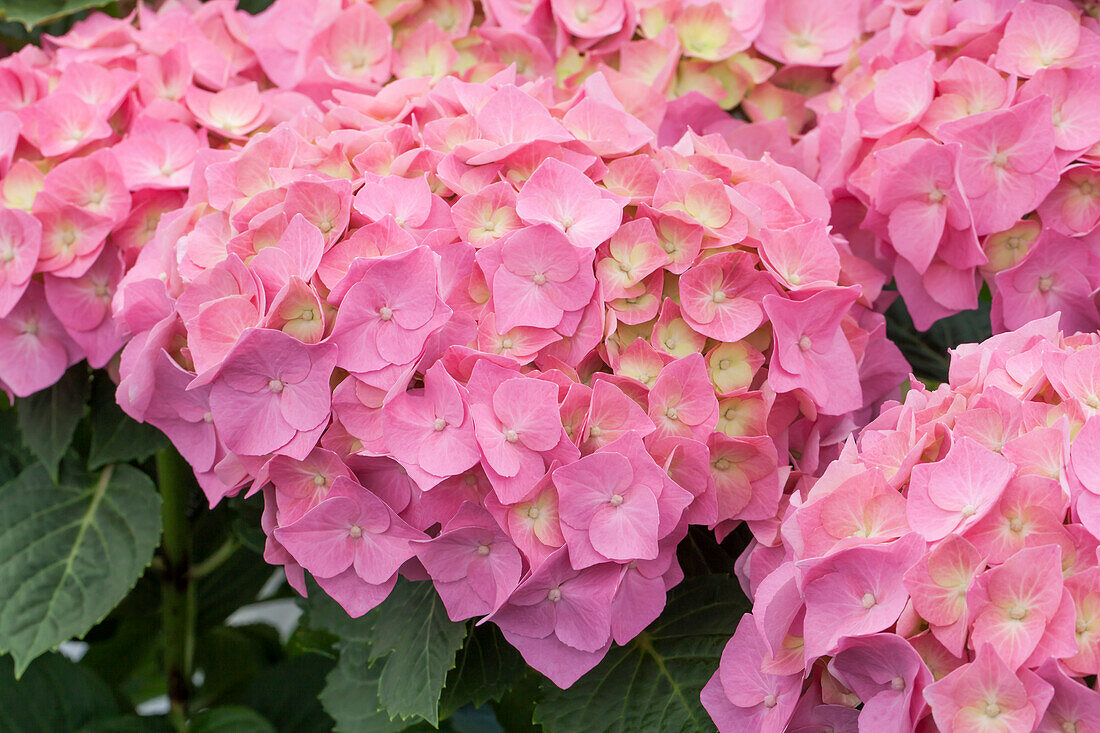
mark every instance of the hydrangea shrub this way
{"type": "Point", "coordinates": [529, 352]}
{"type": "Point", "coordinates": [544, 379]}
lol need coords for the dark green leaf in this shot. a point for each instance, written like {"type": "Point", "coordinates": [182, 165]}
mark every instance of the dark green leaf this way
{"type": "Point", "coordinates": [412, 630]}
{"type": "Point", "coordinates": [254, 6]}
{"type": "Point", "coordinates": [927, 352]}
{"type": "Point", "coordinates": [246, 522]}
{"type": "Point", "coordinates": [485, 669]}
{"type": "Point", "coordinates": [125, 647]}
{"type": "Point", "coordinates": [516, 710]}
{"type": "Point", "coordinates": [236, 582]}
{"type": "Point", "coordinates": [230, 657]}
{"type": "Point", "coordinates": [47, 419]}
{"type": "Point", "coordinates": [287, 694]}
{"type": "Point", "coordinates": [127, 724]}
{"type": "Point", "coordinates": [116, 437]}
{"type": "Point", "coordinates": [412, 646]}
{"type": "Point", "coordinates": [33, 13]}
{"type": "Point", "coordinates": [69, 554]}
{"type": "Point", "coordinates": [308, 640]}
{"type": "Point", "coordinates": [653, 683]}
{"type": "Point", "coordinates": [701, 554]}
{"type": "Point", "coordinates": [351, 694]}
{"type": "Point", "coordinates": [325, 614]}
{"type": "Point", "coordinates": [230, 719]}
{"type": "Point", "coordinates": [53, 695]}
{"type": "Point", "coordinates": [13, 456]}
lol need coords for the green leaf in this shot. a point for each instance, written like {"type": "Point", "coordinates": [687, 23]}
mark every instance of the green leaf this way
{"type": "Point", "coordinates": [116, 437]}
{"type": "Point", "coordinates": [246, 525]}
{"type": "Point", "coordinates": [13, 456]}
{"type": "Point", "coordinates": [69, 554]}
{"type": "Point", "coordinates": [515, 711]}
{"type": "Point", "coordinates": [48, 418]}
{"type": "Point", "coordinates": [230, 657]}
{"type": "Point", "coordinates": [33, 13]}
{"type": "Point", "coordinates": [927, 352]}
{"type": "Point", "coordinates": [235, 583]}
{"type": "Point", "coordinates": [484, 670]}
{"type": "Point", "coordinates": [413, 629]}
{"type": "Point", "coordinates": [125, 645]}
{"type": "Point", "coordinates": [230, 719]}
{"type": "Point", "coordinates": [127, 724]}
{"type": "Point", "coordinates": [653, 683]}
{"type": "Point", "coordinates": [400, 654]}
{"type": "Point", "coordinates": [351, 694]}
{"type": "Point", "coordinates": [53, 695]}
{"type": "Point", "coordinates": [287, 693]}
{"type": "Point", "coordinates": [701, 554]}
{"type": "Point", "coordinates": [325, 614]}
{"type": "Point", "coordinates": [254, 6]}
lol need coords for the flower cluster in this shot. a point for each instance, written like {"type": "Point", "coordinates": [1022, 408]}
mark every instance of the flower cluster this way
{"type": "Point", "coordinates": [960, 145]}
{"type": "Point", "coordinates": [99, 131]}
{"type": "Point", "coordinates": [944, 568]}
{"type": "Point", "coordinates": [503, 338]}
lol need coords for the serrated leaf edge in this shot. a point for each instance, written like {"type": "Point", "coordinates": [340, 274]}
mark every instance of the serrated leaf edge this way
{"type": "Point", "coordinates": [99, 491]}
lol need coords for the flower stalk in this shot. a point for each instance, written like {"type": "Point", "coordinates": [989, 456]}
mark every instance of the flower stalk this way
{"type": "Point", "coordinates": [178, 588]}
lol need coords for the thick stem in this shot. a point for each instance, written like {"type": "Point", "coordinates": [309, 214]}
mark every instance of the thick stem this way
{"type": "Point", "coordinates": [178, 592]}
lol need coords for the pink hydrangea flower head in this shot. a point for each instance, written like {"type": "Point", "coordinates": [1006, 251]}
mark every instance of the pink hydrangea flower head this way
{"type": "Point", "coordinates": [473, 564]}
{"type": "Point", "coordinates": [517, 423]}
{"type": "Point", "coordinates": [356, 45]}
{"type": "Point", "coordinates": [232, 112]}
{"type": "Point", "coordinates": [856, 591]}
{"type": "Point", "coordinates": [807, 33]}
{"type": "Point", "coordinates": [741, 695]}
{"type": "Point", "coordinates": [721, 297]}
{"type": "Point", "coordinates": [955, 493]}
{"type": "Point", "coordinates": [387, 316]}
{"type": "Point", "coordinates": [888, 675]}
{"type": "Point", "coordinates": [1037, 36]}
{"type": "Point", "coordinates": [919, 192]}
{"type": "Point", "coordinates": [572, 606]}
{"type": "Point", "coordinates": [36, 350]}
{"type": "Point", "coordinates": [352, 528]}
{"type": "Point", "coordinates": [541, 276]}
{"type": "Point", "coordinates": [612, 502]}
{"type": "Point", "coordinates": [682, 401]}
{"type": "Point", "coordinates": [20, 241]}
{"type": "Point", "coordinates": [432, 430]}
{"type": "Point", "coordinates": [1007, 164]}
{"type": "Point", "coordinates": [802, 257]}
{"type": "Point", "coordinates": [1016, 601]}
{"type": "Point", "coordinates": [302, 485]}
{"type": "Point", "coordinates": [159, 154]}
{"type": "Point", "coordinates": [560, 195]}
{"type": "Point", "coordinates": [271, 379]}
{"type": "Point", "coordinates": [1073, 706]}
{"type": "Point", "coordinates": [1050, 279]}
{"type": "Point", "coordinates": [986, 695]}
{"type": "Point", "coordinates": [939, 583]}
{"type": "Point", "coordinates": [811, 351]}
{"type": "Point", "coordinates": [587, 19]}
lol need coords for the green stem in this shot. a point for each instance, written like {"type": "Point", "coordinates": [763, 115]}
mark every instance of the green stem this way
{"type": "Point", "coordinates": [178, 592]}
{"type": "Point", "coordinates": [215, 559]}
